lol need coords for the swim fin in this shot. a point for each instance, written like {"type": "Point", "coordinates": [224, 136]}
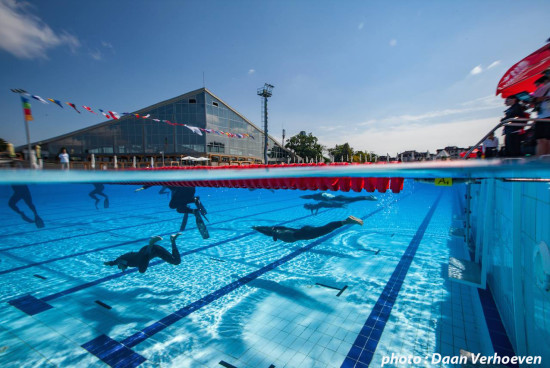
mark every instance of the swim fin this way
{"type": "Point", "coordinates": [202, 226]}
{"type": "Point", "coordinates": [39, 222]}
{"type": "Point", "coordinates": [24, 217]}
{"type": "Point", "coordinates": [106, 203]}
{"type": "Point", "coordinates": [200, 206]}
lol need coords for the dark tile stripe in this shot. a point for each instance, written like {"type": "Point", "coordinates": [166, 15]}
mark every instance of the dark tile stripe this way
{"type": "Point", "coordinates": [497, 332]}
{"type": "Point", "coordinates": [160, 325]}
{"type": "Point", "coordinates": [362, 351]}
{"type": "Point", "coordinates": [113, 353]}
{"type": "Point", "coordinates": [118, 228]}
{"type": "Point", "coordinates": [154, 263]}
{"type": "Point", "coordinates": [30, 305]}
{"type": "Point", "coordinates": [121, 244]}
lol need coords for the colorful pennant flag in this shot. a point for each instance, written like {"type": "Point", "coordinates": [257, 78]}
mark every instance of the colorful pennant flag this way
{"type": "Point", "coordinates": [56, 102]}
{"type": "Point", "coordinates": [39, 99]}
{"type": "Point", "coordinates": [73, 106]}
{"type": "Point", "coordinates": [104, 114]}
{"type": "Point", "coordinates": [89, 109]}
{"type": "Point", "coordinates": [115, 116]}
{"type": "Point", "coordinates": [26, 109]}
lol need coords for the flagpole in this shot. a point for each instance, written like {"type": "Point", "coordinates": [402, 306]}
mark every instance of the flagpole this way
{"type": "Point", "coordinates": [28, 141]}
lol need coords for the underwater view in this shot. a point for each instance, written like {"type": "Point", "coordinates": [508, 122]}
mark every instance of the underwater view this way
{"type": "Point", "coordinates": [139, 275]}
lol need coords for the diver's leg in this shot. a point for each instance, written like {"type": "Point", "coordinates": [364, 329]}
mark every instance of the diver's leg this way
{"type": "Point", "coordinates": [92, 195]}
{"type": "Point", "coordinates": [312, 232]}
{"type": "Point", "coordinates": [12, 203]}
{"type": "Point", "coordinates": [143, 265]}
{"type": "Point", "coordinates": [166, 256]}
{"type": "Point", "coordinates": [184, 221]}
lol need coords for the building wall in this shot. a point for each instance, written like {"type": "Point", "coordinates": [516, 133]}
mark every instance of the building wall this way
{"type": "Point", "coordinates": [132, 135]}
{"type": "Point", "coordinates": [517, 223]}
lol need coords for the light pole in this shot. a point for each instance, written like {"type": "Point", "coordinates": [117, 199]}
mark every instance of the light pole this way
{"type": "Point", "coordinates": [265, 92]}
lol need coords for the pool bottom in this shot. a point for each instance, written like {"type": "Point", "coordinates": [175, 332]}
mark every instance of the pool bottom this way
{"type": "Point", "coordinates": [268, 303]}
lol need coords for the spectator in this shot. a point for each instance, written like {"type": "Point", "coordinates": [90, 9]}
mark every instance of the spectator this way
{"type": "Point", "coordinates": [512, 139]}
{"type": "Point", "coordinates": [542, 105]}
{"type": "Point", "coordinates": [490, 146]}
{"type": "Point", "coordinates": [64, 159]}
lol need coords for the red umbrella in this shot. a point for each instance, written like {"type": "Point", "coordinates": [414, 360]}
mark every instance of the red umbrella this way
{"type": "Point", "coordinates": [522, 76]}
{"type": "Point", "coordinates": [473, 154]}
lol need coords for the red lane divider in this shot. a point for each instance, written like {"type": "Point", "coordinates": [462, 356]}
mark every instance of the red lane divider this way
{"type": "Point", "coordinates": [345, 184]}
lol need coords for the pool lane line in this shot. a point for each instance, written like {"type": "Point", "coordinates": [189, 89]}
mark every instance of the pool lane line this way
{"type": "Point", "coordinates": [41, 304]}
{"type": "Point", "coordinates": [108, 220]}
{"type": "Point", "coordinates": [126, 243]}
{"type": "Point", "coordinates": [124, 227]}
{"type": "Point", "coordinates": [364, 346]}
{"type": "Point", "coordinates": [120, 354]}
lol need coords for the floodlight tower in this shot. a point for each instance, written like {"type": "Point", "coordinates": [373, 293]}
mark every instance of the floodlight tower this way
{"type": "Point", "coordinates": [265, 92]}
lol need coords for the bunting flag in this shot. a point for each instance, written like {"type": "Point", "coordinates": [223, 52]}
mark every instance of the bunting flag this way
{"type": "Point", "coordinates": [39, 99]}
{"type": "Point", "coordinates": [112, 115]}
{"type": "Point", "coordinates": [26, 109]}
{"type": "Point", "coordinates": [194, 129]}
{"type": "Point", "coordinates": [56, 102]}
{"type": "Point", "coordinates": [73, 106]}
{"type": "Point", "coordinates": [104, 114]}
{"type": "Point", "coordinates": [89, 109]}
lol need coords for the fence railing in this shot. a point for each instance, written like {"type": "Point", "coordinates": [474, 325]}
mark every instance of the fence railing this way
{"type": "Point", "coordinates": [523, 122]}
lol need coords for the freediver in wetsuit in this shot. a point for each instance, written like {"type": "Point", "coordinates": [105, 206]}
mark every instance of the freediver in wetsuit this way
{"type": "Point", "coordinates": [98, 189]}
{"type": "Point", "coordinates": [180, 200]}
{"type": "Point", "coordinates": [316, 206]}
{"type": "Point", "coordinates": [290, 235]}
{"type": "Point", "coordinates": [339, 198]}
{"type": "Point", "coordinates": [22, 192]}
{"type": "Point", "coordinates": [142, 258]}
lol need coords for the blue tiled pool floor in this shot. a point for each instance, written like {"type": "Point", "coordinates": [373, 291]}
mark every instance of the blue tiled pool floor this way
{"type": "Point", "coordinates": [239, 297]}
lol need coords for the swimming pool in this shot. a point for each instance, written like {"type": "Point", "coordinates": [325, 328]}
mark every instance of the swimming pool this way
{"type": "Point", "coordinates": [352, 297]}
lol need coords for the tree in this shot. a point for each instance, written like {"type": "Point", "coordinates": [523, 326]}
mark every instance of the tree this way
{"type": "Point", "coordinates": [342, 152]}
{"type": "Point", "coordinates": [3, 145]}
{"type": "Point", "coordinates": [305, 145]}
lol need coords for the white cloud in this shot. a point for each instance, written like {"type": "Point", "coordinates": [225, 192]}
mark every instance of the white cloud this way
{"type": "Point", "coordinates": [382, 139]}
{"type": "Point", "coordinates": [361, 25]}
{"type": "Point", "coordinates": [478, 69]}
{"type": "Point", "coordinates": [393, 42]}
{"type": "Point", "coordinates": [457, 126]}
{"type": "Point", "coordinates": [251, 71]}
{"type": "Point", "coordinates": [27, 36]}
{"type": "Point", "coordinates": [107, 45]}
{"type": "Point", "coordinates": [493, 64]}
{"type": "Point", "coordinates": [96, 55]}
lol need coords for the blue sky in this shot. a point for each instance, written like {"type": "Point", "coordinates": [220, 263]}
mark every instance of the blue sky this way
{"type": "Point", "coordinates": [383, 76]}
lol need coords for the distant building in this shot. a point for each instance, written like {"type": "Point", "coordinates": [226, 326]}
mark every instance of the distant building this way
{"type": "Point", "coordinates": [132, 136]}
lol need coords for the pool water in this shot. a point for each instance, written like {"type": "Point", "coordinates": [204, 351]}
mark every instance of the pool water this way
{"type": "Point", "coordinates": [238, 299]}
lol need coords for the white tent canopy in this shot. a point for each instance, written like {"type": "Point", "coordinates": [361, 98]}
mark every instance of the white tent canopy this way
{"type": "Point", "coordinates": [190, 158]}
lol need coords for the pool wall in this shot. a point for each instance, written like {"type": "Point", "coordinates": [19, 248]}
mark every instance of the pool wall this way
{"type": "Point", "coordinates": [512, 230]}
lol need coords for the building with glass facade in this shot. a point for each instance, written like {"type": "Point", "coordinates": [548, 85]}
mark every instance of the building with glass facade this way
{"type": "Point", "coordinates": [131, 136]}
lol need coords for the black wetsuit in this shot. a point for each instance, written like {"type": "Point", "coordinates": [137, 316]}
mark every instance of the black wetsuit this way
{"type": "Point", "coordinates": [316, 206]}
{"type": "Point", "coordinates": [98, 189]}
{"type": "Point", "coordinates": [338, 198]}
{"type": "Point", "coordinates": [290, 235]}
{"type": "Point", "coordinates": [181, 197]}
{"type": "Point", "coordinates": [142, 258]}
{"type": "Point", "coordinates": [22, 192]}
